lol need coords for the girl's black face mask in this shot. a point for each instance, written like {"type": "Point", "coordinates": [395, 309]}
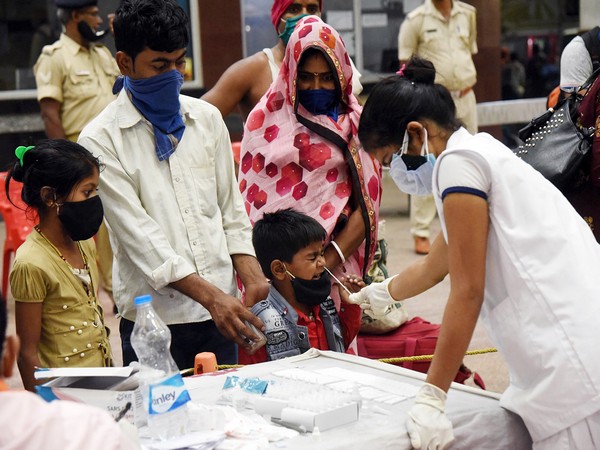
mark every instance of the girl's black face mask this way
{"type": "Point", "coordinates": [311, 292]}
{"type": "Point", "coordinates": [81, 219]}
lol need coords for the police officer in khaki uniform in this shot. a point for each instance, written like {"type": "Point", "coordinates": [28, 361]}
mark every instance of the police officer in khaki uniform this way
{"type": "Point", "coordinates": [445, 33]}
{"type": "Point", "coordinates": [74, 78]}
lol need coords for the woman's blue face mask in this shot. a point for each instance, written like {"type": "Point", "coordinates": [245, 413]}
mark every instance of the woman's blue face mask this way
{"type": "Point", "coordinates": [413, 174]}
{"type": "Point", "coordinates": [319, 101]}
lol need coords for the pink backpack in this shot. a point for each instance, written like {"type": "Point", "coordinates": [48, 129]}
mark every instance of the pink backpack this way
{"type": "Point", "coordinates": [414, 337]}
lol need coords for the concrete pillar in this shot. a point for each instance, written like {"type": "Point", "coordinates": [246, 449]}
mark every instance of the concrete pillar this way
{"type": "Point", "coordinates": [220, 37]}
{"type": "Point", "coordinates": [487, 60]}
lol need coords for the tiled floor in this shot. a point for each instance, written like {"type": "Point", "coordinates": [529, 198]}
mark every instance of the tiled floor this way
{"type": "Point", "coordinates": [430, 305]}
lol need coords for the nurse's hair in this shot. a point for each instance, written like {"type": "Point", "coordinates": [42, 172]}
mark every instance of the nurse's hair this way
{"type": "Point", "coordinates": [411, 94]}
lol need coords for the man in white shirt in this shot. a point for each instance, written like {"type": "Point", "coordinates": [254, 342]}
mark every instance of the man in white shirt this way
{"type": "Point", "coordinates": [28, 422]}
{"type": "Point", "coordinates": [175, 213]}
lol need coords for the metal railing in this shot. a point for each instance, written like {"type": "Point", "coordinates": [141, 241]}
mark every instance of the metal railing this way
{"type": "Point", "coordinates": [488, 113]}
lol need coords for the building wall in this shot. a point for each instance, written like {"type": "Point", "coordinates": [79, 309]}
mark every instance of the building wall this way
{"type": "Point", "coordinates": [221, 37]}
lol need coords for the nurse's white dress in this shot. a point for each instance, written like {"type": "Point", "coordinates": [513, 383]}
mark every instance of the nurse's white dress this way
{"type": "Point", "coordinates": [542, 286]}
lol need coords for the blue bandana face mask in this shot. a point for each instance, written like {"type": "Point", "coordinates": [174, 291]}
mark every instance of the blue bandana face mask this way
{"type": "Point", "coordinates": [413, 174]}
{"type": "Point", "coordinates": [157, 99]}
{"type": "Point", "coordinates": [319, 101]}
{"type": "Point", "coordinates": [290, 24]}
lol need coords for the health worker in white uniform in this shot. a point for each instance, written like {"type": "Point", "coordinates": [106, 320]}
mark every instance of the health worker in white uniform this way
{"type": "Point", "coordinates": [518, 255]}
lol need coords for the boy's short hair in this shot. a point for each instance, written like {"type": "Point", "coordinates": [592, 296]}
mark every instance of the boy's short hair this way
{"type": "Point", "coordinates": [282, 234]}
{"type": "Point", "coordinates": [160, 25]}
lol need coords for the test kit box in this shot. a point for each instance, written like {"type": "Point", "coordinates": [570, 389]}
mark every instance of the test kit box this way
{"type": "Point", "coordinates": [108, 388]}
{"type": "Point", "coordinates": [281, 412]}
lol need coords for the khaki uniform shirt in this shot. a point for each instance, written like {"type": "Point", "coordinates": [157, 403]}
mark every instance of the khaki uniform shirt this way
{"type": "Point", "coordinates": [79, 78]}
{"type": "Point", "coordinates": [447, 44]}
{"type": "Point", "coordinates": [73, 332]}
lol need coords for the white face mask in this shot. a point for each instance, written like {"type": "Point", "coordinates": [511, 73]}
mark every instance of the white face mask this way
{"type": "Point", "coordinates": [413, 174]}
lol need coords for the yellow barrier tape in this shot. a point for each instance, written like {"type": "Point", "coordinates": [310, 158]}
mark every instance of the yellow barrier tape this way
{"type": "Point", "coordinates": [430, 357]}
{"type": "Point", "coordinates": [482, 351]}
{"type": "Point", "coordinates": [230, 366]}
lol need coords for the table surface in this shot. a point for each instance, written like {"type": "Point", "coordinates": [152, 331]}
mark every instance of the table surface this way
{"type": "Point", "coordinates": [478, 419]}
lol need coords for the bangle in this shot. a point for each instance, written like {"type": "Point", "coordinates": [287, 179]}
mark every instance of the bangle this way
{"type": "Point", "coordinates": [338, 250]}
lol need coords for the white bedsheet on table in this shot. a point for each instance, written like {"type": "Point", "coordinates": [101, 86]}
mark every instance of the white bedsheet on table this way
{"type": "Point", "coordinates": [479, 422]}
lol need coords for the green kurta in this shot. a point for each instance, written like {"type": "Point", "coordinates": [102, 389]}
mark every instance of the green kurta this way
{"type": "Point", "coordinates": [73, 331]}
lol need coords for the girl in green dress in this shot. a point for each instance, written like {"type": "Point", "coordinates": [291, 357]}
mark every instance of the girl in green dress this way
{"type": "Point", "coordinates": [54, 279]}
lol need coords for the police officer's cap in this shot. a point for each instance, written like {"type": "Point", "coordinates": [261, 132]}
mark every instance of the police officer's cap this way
{"type": "Point", "coordinates": [75, 4]}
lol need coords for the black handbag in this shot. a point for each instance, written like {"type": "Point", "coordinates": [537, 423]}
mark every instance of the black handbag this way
{"type": "Point", "coordinates": [555, 143]}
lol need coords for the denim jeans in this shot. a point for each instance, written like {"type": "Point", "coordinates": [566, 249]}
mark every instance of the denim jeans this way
{"type": "Point", "coordinates": [187, 339]}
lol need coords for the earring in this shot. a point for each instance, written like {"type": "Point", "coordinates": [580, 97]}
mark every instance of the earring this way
{"type": "Point", "coordinates": [58, 205]}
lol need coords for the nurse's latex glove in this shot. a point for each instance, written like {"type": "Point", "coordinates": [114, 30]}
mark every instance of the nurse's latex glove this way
{"type": "Point", "coordinates": [375, 299]}
{"type": "Point", "coordinates": [427, 425]}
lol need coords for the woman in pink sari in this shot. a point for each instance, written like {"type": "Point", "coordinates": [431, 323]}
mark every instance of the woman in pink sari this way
{"type": "Point", "coordinates": [300, 150]}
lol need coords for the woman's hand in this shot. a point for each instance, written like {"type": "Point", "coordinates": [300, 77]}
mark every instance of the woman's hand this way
{"type": "Point", "coordinates": [354, 283]}
{"type": "Point", "coordinates": [350, 284]}
{"type": "Point", "coordinates": [348, 240]}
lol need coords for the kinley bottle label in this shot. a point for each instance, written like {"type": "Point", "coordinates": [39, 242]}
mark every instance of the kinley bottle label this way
{"type": "Point", "coordinates": [168, 395]}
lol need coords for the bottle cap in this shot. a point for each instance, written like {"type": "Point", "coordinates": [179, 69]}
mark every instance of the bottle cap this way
{"type": "Point", "coordinates": [142, 300]}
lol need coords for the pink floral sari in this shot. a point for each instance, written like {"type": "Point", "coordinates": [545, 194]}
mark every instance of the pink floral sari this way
{"type": "Point", "coordinates": [291, 158]}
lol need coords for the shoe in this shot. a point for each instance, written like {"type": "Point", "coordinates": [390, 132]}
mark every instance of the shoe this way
{"type": "Point", "coordinates": [421, 245]}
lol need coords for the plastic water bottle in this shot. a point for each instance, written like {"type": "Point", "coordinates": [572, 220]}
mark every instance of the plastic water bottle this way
{"type": "Point", "coordinates": [163, 390]}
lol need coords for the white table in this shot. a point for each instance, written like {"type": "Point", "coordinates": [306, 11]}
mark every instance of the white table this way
{"type": "Point", "coordinates": [479, 422]}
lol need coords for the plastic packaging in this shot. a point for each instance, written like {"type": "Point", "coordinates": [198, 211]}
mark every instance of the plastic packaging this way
{"type": "Point", "coordinates": [254, 345]}
{"type": "Point", "coordinates": [163, 390]}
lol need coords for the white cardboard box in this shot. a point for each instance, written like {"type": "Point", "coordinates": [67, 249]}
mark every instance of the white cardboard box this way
{"type": "Point", "coordinates": [109, 388]}
{"type": "Point", "coordinates": [280, 412]}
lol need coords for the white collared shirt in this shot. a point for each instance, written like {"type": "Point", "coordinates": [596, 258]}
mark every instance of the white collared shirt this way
{"type": "Point", "coordinates": [168, 219]}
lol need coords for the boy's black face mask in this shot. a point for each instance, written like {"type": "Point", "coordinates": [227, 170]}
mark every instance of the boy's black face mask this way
{"type": "Point", "coordinates": [311, 292]}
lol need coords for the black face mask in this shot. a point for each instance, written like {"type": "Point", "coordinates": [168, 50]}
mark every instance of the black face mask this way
{"type": "Point", "coordinates": [82, 219]}
{"type": "Point", "coordinates": [89, 34]}
{"type": "Point", "coordinates": [311, 292]}
{"type": "Point", "coordinates": [413, 162]}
